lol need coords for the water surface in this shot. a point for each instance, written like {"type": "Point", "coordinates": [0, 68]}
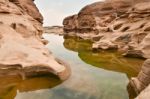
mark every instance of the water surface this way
{"type": "Point", "coordinates": [95, 75]}
{"type": "Point", "coordinates": [101, 75]}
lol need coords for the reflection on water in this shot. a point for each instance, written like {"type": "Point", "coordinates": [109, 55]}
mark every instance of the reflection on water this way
{"type": "Point", "coordinates": [109, 60]}
{"type": "Point", "coordinates": [11, 85]}
{"type": "Point", "coordinates": [102, 75]}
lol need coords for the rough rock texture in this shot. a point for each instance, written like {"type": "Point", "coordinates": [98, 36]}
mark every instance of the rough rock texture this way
{"type": "Point", "coordinates": [119, 24]}
{"type": "Point", "coordinates": [141, 81]}
{"type": "Point", "coordinates": [123, 25]}
{"type": "Point", "coordinates": [21, 43]}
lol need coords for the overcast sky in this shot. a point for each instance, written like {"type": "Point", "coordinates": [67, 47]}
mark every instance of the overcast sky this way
{"type": "Point", "coordinates": [54, 11]}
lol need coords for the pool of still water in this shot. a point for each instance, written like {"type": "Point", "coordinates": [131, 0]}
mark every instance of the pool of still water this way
{"type": "Point", "coordinates": [95, 75]}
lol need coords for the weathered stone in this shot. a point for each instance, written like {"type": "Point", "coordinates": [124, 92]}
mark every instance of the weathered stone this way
{"type": "Point", "coordinates": [123, 24]}
{"type": "Point", "coordinates": [21, 42]}
{"type": "Point", "coordinates": [143, 79]}
{"type": "Point", "coordinates": [29, 7]}
{"type": "Point", "coordinates": [70, 23]}
{"type": "Point", "coordinates": [145, 94]}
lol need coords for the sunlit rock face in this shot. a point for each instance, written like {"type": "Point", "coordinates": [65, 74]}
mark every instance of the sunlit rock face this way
{"type": "Point", "coordinates": [123, 25]}
{"type": "Point", "coordinates": [144, 94]}
{"type": "Point", "coordinates": [30, 8]}
{"type": "Point", "coordinates": [21, 42]}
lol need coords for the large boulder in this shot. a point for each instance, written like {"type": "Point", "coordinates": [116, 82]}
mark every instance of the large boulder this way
{"type": "Point", "coordinates": [70, 23]}
{"type": "Point", "coordinates": [21, 42]}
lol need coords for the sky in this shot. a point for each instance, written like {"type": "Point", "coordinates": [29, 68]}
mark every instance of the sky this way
{"type": "Point", "coordinates": [54, 11]}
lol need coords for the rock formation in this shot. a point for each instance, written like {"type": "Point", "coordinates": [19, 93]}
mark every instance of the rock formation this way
{"type": "Point", "coordinates": [119, 24]}
{"type": "Point", "coordinates": [142, 81]}
{"type": "Point", "coordinates": [123, 25]}
{"type": "Point", "coordinates": [21, 42]}
{"type": "Point", "coordinates": [144, 94]}
{"type": "Point", "coordinates": [54, 29]}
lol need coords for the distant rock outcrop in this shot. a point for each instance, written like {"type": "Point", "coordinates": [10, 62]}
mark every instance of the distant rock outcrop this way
{"type": "Point", "coordinates": [115, 24]}
{"type": "Point", "coordinates": [21, 43]}
{"type": "Point", "coordinates": [54, 29]}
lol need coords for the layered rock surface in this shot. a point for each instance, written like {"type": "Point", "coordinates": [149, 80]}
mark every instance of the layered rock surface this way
{"type": "Point", "coordinates": [123, 25]}
{"type": "Point", "coordinates": [21, 42]}
{"type": "Point", "coordinates": [117, 24]}
{"type": "Point", "coordinates": [141, 82]}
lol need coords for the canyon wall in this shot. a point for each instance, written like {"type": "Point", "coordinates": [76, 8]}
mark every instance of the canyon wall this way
{"type": "Point", "coordinates": [22, 46]}
{"type": "Point", "coordinates": [123, 25]}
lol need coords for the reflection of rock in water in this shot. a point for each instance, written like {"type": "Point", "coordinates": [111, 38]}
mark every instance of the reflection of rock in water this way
{"type": "Point", "coordinates": [10, 84]}
{"type": "Point", "coordinates": [105, 59]}
{"type": "Point", "coordinates": [85, 79]}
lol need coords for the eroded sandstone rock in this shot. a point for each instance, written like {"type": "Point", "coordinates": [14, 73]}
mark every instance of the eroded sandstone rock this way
{"type": "Point", "coordinates": [21, 41]}
{"type": "Point", "coordinates": [124, 24]}
{"type": "Point", "coordinates": [145, 94]}
{"type": "Point", "coordinates": [139, 83]}
{"type": "Point", "coordinates": [118, 24]}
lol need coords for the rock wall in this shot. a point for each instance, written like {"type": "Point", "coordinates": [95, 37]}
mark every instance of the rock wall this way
{"type": "Point", "coordinates": [123, 25]}
{"type": "Point", "coordinates": [119, 24]}
{"type": "Point", "coordinates": [21, 42]}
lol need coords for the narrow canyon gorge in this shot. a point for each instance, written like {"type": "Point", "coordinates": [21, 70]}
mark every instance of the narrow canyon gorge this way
{"type": "Point", "coordinates": [112, 25]}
